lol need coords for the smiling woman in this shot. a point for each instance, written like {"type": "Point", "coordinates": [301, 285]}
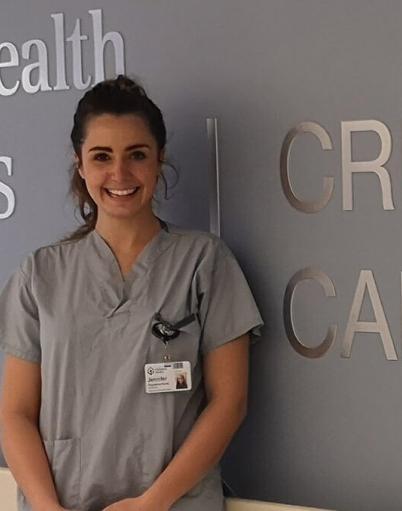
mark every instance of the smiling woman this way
{"type": "Point", "coordinates": [120, 163]}
{"type": "Point", "coordinates": [119, 140]}
{"type": "Point", "coordinates": [134, 332]}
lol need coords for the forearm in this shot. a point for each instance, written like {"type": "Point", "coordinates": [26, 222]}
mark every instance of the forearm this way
{"type": "Point", "coordinates": [23, 450]}
{"type": "Point", "coordinates": [201, 450]}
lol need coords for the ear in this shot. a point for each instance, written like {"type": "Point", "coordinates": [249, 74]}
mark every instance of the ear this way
{"type": "Point", "coordinates": [162, 155]}
{"type": "Point", "coordinates": [77, 164]}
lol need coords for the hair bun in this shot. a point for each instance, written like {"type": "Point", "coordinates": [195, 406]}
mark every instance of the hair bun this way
{"type": "Point", "coordinates": [124, 83]}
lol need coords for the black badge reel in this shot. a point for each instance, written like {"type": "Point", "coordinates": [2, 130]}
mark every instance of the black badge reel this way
{"type": "Point", "coordinates": [167, 331]}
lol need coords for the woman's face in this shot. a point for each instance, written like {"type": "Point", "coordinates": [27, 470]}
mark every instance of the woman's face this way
{"type": "Point", "coordinates": [120, 164]}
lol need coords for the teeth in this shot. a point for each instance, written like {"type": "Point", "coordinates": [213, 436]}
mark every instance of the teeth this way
{"type": "Point", "coordinates": [122, 192]}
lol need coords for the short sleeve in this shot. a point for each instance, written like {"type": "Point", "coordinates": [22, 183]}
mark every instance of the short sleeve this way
{"type": "Point", "coordinates": [19, 322]}
{"type": "Point", "coordinates": [227, 308]}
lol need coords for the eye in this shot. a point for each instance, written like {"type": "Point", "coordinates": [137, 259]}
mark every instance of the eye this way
{"type": "Point", "coordinates": [138, 155]}
{"type": "Point", "coordinates": [101, 156]}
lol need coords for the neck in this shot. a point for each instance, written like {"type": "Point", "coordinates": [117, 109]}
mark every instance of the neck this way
{"type": "Point", "coordinates": [126, 236]}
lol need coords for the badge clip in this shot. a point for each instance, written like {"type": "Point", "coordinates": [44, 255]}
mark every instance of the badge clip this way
{"type": "Point", "coordinates": [163, 329]}
{"type": "Point", "coordinates": [166, 331]}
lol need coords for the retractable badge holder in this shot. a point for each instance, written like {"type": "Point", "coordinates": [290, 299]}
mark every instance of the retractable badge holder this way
{"type": "Point", "coordinates": [164, 331]}
{"type": "Point", "coordinates": [168, 376]}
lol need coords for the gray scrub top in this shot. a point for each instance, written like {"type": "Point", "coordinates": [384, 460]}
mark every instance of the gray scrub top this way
{"type": "Point", "coordinates": [68, 308]}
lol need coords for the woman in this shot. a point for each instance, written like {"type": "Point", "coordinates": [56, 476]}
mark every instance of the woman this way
{"type": "Point", "coordinates": [94, 325]}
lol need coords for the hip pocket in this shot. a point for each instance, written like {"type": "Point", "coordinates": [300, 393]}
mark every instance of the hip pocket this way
{"type": "Point", "coordinates": [65, 462]}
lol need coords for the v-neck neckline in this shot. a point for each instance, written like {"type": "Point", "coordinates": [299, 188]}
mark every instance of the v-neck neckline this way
{"type": "Point", "coordinates": [150, 251]}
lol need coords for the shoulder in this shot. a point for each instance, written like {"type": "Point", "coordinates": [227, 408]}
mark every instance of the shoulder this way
{"type": "Point", "coordinates": [203, 242]}
{"type": "Point", "coordinates": [48, 257]}
{"type": "Point", "coordinates": [205, 253]}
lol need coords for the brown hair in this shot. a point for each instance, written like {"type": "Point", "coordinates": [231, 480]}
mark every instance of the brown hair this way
{"type": "Point", "coordinates": [119, 96]}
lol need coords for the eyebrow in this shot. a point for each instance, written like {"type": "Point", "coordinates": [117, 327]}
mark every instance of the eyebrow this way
{"type": "Point", "coordinates": [110, 150]}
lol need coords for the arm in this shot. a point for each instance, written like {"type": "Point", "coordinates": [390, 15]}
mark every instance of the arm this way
{"type": "Point", "coordinates": [20, 438]}
{"type": "Point", "coordinates": [226, 379]}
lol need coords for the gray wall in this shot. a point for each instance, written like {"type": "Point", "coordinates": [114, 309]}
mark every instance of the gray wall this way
{"type": "Point", "coordinates": [321, 431]}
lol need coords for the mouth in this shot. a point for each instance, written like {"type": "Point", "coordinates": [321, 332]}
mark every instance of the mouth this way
{"type": "Point", "coordinates": [121, 194]}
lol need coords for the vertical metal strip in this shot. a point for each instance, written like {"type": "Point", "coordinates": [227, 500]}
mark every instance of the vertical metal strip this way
{"type": "Point", "coordinates": [214, 189]}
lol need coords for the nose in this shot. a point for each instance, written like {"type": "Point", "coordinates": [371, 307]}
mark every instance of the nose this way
{"type": "Point", "coordinates": [120, 170]}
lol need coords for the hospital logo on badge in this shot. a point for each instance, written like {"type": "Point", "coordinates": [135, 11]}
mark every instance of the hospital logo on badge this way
{"type": "Point", "coordinates": [150, 371]}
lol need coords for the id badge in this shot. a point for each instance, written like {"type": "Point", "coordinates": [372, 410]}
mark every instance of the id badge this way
{"type": "Point", "coordinates": [167, 377]}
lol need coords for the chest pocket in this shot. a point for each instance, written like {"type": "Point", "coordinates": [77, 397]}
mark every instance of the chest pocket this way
{"type": "Point", "coordinates": [184, 345]}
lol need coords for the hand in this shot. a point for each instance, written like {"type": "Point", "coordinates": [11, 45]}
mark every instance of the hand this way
{"type": "Point", "coordinates": [136, 504]}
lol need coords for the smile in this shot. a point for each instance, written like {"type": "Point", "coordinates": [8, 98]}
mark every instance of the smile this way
{"type": "Point", "coordinates": [121, 193]}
